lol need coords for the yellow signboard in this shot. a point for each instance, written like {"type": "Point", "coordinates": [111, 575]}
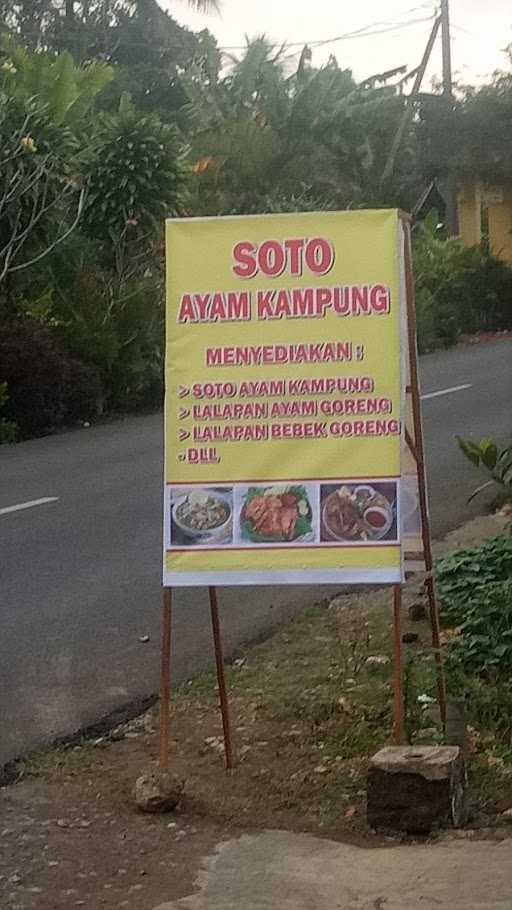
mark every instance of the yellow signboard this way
{"type": "Point", "coordinates": [283, 411]}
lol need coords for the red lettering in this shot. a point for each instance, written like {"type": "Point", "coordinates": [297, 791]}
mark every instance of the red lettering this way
{"type": "Point", "coordinates": [239, 305]}
{"type": "Point", "coordinates": [244, 256]}
{"type": "Point", "coordinates": [218, 309]}
{"type": "Point", "coordinates": [201, 301]}
{"type": "Point", "coordinates": [265, 300]}
{"type": "Point", "coordinates": [282, 305]}
{"type": "Point", "coordinates": [271, 258]}
{"type": "Point", "coordinates": [186, 311]}
{"type": "Point", "coordinates": [319, 255]}
{"type": "Point", "coordinates": [323, 300]}
{"type": "Point", "coordinates": [295, 249]}
{"type": "Point", "coordinates": [379, 299]}
{"type": "Point", "coordinates": [360, 300]}
{"type": "Point", "coordinates": [302, 302]}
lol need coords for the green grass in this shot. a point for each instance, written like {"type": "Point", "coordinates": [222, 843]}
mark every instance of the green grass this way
{"type": "Point", "coordinates": [300, 675]}
{"type": "Point", "coordinates": [72, 760]}
{"type": "Point", "coordinates": [309, 711]}
{"type": "Point", "coordinates": [490, 782]}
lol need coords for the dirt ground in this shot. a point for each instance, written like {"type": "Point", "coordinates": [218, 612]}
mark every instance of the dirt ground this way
{"type": "Point", "coordinates": [81, 843]}
{"type": "Point", "coordinates": [308, 708]}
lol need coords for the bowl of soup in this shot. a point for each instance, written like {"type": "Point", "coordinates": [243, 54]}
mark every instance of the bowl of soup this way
{"type": "Point", "coordinates": [202, 513]}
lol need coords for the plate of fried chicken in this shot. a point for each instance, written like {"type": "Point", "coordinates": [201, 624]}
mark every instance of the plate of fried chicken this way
{"type": "Point", "coordinates": [276, 514]}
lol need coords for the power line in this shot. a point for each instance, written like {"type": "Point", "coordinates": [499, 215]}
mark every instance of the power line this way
{"type": "Point", "coordinates": [367, 32]}
{"type": "Point", "coordinates": [371, 30]}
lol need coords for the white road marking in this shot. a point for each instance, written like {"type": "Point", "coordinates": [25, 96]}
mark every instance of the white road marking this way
{"type": "Point", "coordinates": [454, 388]}
{"type": "Point", "coordinates": [28, 505]}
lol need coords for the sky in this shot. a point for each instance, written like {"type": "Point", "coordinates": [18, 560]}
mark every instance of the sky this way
{"type": "Point", "coordinates": [481, 29]}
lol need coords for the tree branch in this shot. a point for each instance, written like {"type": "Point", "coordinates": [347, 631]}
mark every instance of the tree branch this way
{"type": "Point", "coordinates": [59, 240]}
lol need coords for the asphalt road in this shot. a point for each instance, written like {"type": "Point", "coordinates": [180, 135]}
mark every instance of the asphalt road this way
{"type": "Point", "coordinates": [80, 576]}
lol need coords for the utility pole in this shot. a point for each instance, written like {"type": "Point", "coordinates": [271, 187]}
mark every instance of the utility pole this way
{"type": "Point", "coordinates": [452, 217]}
{"type": "Point", "coordinates": [447, 50]}
{"type": "Point", "coordinates": [408, 112]}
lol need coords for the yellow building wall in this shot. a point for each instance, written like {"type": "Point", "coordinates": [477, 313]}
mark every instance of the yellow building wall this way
{"type": "Point", "coordinates": [500, 224]}
{"type": "Point", "coordinates": [470, 214]}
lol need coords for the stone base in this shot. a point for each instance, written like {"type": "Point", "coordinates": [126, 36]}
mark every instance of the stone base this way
{"type": "Point", "coordinates": [416, 788]}
{"type": "Point", "coordinates": [158, 791]}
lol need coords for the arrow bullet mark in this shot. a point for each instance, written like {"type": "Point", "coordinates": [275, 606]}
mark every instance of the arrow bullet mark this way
{"type": "Point", "coordinates": [183, 391]}
{"type": "Point", "coordinates": [183, 412]}
{"type": "Point", "coordinates": [183, 434]}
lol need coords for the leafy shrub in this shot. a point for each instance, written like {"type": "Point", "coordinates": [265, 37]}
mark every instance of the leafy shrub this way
{"type": "Point", "coordinates": [488, 307]}
{"type": "Point", "coordinates": [47, 387]}
{"type": "Point", "coordinates": [137, 178]}
{"type": "Point", "coordinates": [459, 289]}
{"type": "Point", "coordinates": [475, 588]}
{"type": "Point", "coordinates": [464, 574]}
{"type": "Point", "coordinates": [497, 463]}
{"type": "Point", "coordinates": [136, 377]}
{"type": "Point", "coordinates": [484, 647]}
{"type": "Point", "coordinates": [114, 324]}
{"type": "Point", "coordinates": [66, 91]}
{"type": "Point", "coordinates": [40, 194]}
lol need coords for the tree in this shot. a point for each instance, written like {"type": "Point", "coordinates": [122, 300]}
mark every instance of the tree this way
{"type": "Point", "coordinates": [137, 179]}
{"type": "Point", "coordinates": [42, 178]}
{"type": "Point", "coordinates": [474, 134]}
{"type": "Point", "coordinates": [66, 91]}
{"type": "Point", "coordinates": [83, 197]}
{"type": "Point", "coordinates": [263, 132]}
{"type": "Point", "coordinates": [41, 193]}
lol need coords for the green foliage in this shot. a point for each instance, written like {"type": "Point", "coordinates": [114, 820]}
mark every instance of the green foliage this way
{"type": "Point", "coordinates": [475, 590]}
{"type": "Point", "coordinates": [124, 339]}
{"type": "Point", "coordinates": [47, 387]}
{"type": "Point", "coordinates": [458, 289]}
{"type": "Point", "coordinates": [473, 136]}
{"type": "Point", "coordinates": [8, 428]}
{"type": "Point", "coordinates": [465, 573]}
{"type": "Point", "coordinates": [115, 325]}
{"type": "Point", "coordinates": [137, 178]}
{"type": "Point", "coordinates": [40, 188]}
{"type": "Point", "coordinates": [485, 644]}
{"type": "Point", "coordinates": [497, 463]}
{"type": "Point", "coordinates": [95, 300]}
{"type": "Point", "coordinates": [262, 133]}
{"type": "Point", "coordinates": [65, 91]}
{"type": "Point", "coordinates": [145, 45]}
{"type": "Point", "coordinates": [487, 701]}
{"type": "Point", "coordinates": [479, 660]}
{"type": "Point", "coordinates": [95, 174]}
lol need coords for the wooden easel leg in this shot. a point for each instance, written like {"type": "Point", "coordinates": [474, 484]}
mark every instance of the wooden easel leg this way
{"type": "Point", "coordinates": [165, 681]}
{"type": "Point", "coordinates": [221, 678]}
{"type": "Point", "coordinates": [398, 688]}
{"type": "Point", "coordinates": [419, 454]}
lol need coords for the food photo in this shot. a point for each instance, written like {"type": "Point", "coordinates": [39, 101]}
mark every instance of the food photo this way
{"type": "Point", "coordinates": [358, 512]}
{"type": "Point", "coordinates": [277, 514]}
{"type": "Point", "coordinates": [201, 516]}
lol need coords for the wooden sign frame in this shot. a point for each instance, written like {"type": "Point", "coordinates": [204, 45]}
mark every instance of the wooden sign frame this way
{"type": "Point", "coordinates": [415, 444]}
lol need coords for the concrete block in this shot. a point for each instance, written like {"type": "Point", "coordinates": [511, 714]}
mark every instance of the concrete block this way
{"type": "Point", "coordinates": [416, 788]}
